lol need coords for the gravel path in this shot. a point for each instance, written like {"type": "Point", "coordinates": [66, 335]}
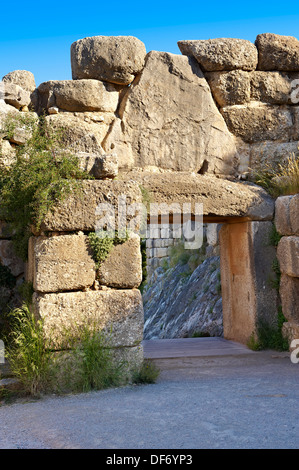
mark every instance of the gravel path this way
{"type": "Point", "coordinates": [223, 404]}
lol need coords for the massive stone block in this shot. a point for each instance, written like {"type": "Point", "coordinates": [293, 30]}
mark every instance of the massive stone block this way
{"type": "Point", "coordinates": [288, 255]}
{"type": "Point", "coordinates": [119, 313]}
{"type": "Point", "coordinates": [79, 211]}
{"type": "Point", "coordinates": [271, 87]}
{"type": "Point", "coordinates": [287, 215]}
{"type": "Point", "coordinates": [220, 198]}
{"type": "Point", "coordinates": [61, 263]}
{"type": "Point", "coordinates": [257, 122]}
{"type": "Point", "coordinates": [289, 294]}
{"type": "Point", "coordinates": [277, 52]}
{"type": "Point", "coordinates": [123, 266]}
{"type": "Point", "coordinates": [79, 95]}
{"type": "Point", "coordinates": [115, 59]}
{"type": "Point", "coordinates": [23, 78]}
{"type": "Point", "coordinates": [221, 53]}
{"type": "Point", "coordinates": [82, 132]}
{"type": "Point", "coordinates": [230, 88]}
{"type": "Point", "coordinates": [15, 95]}
{"type": "Point", "coordinates": [169, 120]}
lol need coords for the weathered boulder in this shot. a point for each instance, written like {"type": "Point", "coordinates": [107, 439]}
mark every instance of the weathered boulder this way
{"type": "Point", "coordinates": [169, 120]}
{"type": "Point", "coordinates": [82, 132]}
{"type": "Point", "coordinates": [289, 294]}
{"type": "Point", "coordinates": [277, 52]}
{"type": "Point", "coordinates": [122, 268]}
{"type": "Point", "coordinates": [15, 95]}
{"type": "Point", "coordinates": [119, 313]}
{"type": "Point", "coordinates": [99, 166]}
{"type": "Point", "coordinates": [271, 87]}
{"type": "Point", "coordinates": [256, 122]}
{"type": "Point", "coordinates": [287, 215]}
{"type": "Point", "coordinates": [288, 255]}
{"type": "Point", "coordinates": [79, 95]}
{"type": "Point", "coordinates": [290, 331]}
{"type": "Point", "coordinates": [229, 88]}
{"type": "Point", "coordinates": [79, 211]}
{"type": "Point", "coordinates": [115, 59]}
{"type": "Point", "coordinates": [221, 53]}
{"type": "Point", "coordinates": [61, 263]}
{"type": "Point", "coordinates": [23, 78]}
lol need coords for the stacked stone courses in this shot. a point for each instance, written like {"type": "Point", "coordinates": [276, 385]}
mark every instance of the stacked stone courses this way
{"type": "Point", "coordinates": [185, 127]}
{"type": "Point", "coordinates": [287, 224]}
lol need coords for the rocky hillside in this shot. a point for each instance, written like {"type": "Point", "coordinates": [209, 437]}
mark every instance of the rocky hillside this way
{"type": "Point", "coordinates": [181, 302]}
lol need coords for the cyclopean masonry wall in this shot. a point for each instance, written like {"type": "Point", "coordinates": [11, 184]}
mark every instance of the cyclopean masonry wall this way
{"type": "Point", "coordinates": [184, 128]}
{"type": "Point", "coordinates": [287, 225]}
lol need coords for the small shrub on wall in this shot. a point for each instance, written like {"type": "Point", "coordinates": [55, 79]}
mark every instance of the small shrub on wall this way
{"type": "Point", "coordinates": [42, 174]}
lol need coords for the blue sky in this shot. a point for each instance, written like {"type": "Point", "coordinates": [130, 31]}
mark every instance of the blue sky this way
{"type": "Point", "coordinates": [37, 35]}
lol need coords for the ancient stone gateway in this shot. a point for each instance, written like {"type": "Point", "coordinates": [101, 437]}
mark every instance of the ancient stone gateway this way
{"type": "Point", "coordinates": [180, 129]}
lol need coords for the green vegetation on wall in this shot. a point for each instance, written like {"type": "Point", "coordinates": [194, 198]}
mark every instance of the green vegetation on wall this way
{"type": "Point", "coordinates": [42, 174]}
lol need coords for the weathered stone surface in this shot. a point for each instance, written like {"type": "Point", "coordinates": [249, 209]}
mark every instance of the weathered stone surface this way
{"type": "Point", "coordinates": [229, 88]}
{"type": "Point", "coordinates": [271, 87]}
{"type": "Point", "coordinates": [5, 108]}
{"type": "Point", "coordinates": [257, 122]}
{"type": "Point", "coordinates": [9, 259]}
{"type": "Point", "coordinates": [23, 78]}
{"type": "Point", "coordinates": [277, 52]}
{"type": "Point", "coordinates": [289, 294]}
{"type": "Point", "coordinates": [288, 255]}
{"type": "Point", "coordinates": [123, 268]}
{"type": "Point", "coordinates": [282, 215]}
{"type": "Point", "coordinates": [7, 153]}
{"type": "Point", "coordinates": [62, 263]}
{"type": "Point", "coordinates": [118, 310]}
{"type": "Point", "coordinates": [99, 166]}
{"type": "Point", "coordinates": [294, 214]}
{"type": "Point", "coordinates": [287, 215]}
{"type": "Point", "coordinates": [290, 331]}
{"type": "Point", "coordinates": [169, 120]}
{"type": "Point", "coordinates": [220, 198]}
{"type": "Point", "coordinates": [82, 132]}
{"type": "Point", "coordinates": [115, 59]}
{"type": "Point", "coordinates": [15, 95]}
{"type": "Point", "coordinates": [268, 152]}
{"type": "Point", "coordinates": [78, 212]}
{"type": "Point", "coordinates": [79, 95]}
{"type": "Point", "coordinates": [221, 53]}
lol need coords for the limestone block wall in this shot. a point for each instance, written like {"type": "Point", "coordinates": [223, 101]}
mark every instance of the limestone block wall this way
{"type": "Point", "coordinates": [12, 271]}
{"type": "Point", "coordinates": [70, 290]}
{"type": "Point", "coordinates": [287, 225]}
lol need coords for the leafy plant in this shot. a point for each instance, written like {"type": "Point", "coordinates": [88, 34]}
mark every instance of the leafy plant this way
{"type": "Point", "coordinates": [102, 245]}
{"type": "Point", "coordinates": [269, 336]}
{"type": "Point", "coordinates": [91, 365]}
{"type": "Point", "coordinates": [42, 174]}
{"type": "Point", "coordinates": [274, 237]}
{"type": "Point", "coordinates": [28, 352]}
{"type": "Point", "coordinates": [146, 374]}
